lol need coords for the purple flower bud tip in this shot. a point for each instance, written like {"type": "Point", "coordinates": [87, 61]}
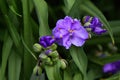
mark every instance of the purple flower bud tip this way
{"type": "Point", "coordinates": [95, 24]}
{"type": "Point", "coordinates": [48, 51]}
{"type": "Point", "coordinates": [46, 41]}
{"type": "Point", "coordinates": [86, 19]}
{"type": "Point", "coordinates": [112, 67]}
{"type": "Point", "coordinates": [69, 31]}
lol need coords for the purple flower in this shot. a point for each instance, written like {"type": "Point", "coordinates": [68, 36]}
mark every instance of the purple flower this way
{"type": "Point", "coordinates": [46, 41]}
{"type": "Point", "coordinates": [112, 67]}
{"type": "Point", "coordinates": [69, 31]}
{"type": "Point", "coordinates": [94, 24]}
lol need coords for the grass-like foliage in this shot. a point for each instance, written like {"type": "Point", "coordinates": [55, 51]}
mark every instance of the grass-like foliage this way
{"type": "Point", "coordinates": [23, 22]}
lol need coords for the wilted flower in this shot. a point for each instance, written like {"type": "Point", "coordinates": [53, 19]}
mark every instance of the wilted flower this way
{"type": "Point", "coordinates": [46, 41]}
{"type": "Point", "coordinates": [112, 67]}
{"type": "Point", "coordinates": [69, 31]}
{"type": "Point", "coordinates": [94, 24]}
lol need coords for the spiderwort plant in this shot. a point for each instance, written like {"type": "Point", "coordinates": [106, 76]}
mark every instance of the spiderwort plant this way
{"type": "Point", "coordinates": [67, 32]}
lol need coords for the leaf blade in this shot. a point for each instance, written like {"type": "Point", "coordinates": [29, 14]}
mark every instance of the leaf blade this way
{"type": "Point", "coordinates": [5, 53]}
{"type": "Point", "coordinates": [14, 66]}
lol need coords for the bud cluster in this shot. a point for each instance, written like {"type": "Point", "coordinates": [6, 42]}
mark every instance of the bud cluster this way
{"type": "Point", "coordinates": [47, 56]}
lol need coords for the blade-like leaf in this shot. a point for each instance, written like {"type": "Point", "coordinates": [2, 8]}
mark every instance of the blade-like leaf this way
{"type": "Point", "coordinates": [80, 59]}
{"type": "Point", "coordinates": [102, 61]}
{"type": "Point", "coordinates": [57, 71]}
{"type": "Point", "coordinates": [14, 34]}
{"type": "Point", "coordinates": [28, 38]}
{"type": "Point", "coordinates": [42, 13]}
{"type": "Point", "coordinates": [50, 72]}
{"type": "Point", "coordinates": [91, 75]}
{"type": "Point", "coordinates": [5, 53]}
{"type": "Point", "coordinates": [77, 76]}
{"type": "Point", "coordinates": [67, 75]}
{"type": "Point", "coordinates": [53, 72]}
{"type": "Point", "coordinates": [14, 66]}
{"type": "Point", "coordinates": [41, 77]}
{"type": "Point", "coordinates": [68, 5]}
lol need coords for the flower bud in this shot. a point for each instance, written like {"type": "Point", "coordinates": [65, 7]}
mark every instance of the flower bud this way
{"type": "Point", "coordinates": [55, 59]}
{"type": "Point", "coordinates": [47, 52]}
{"type": "Point", "coordinates": [63, 63]}
{"type": "Point", "coordinates": [89, 35]}
{"type": "Point", "coordinates": [48, 61]}
{"type": "Point", "coordinates": [43, 57]}
{"type": "Point", "coordinates": [53, 54]}
{"type": "Point", "coordinates": [87, 19]}
{"type": "Point", "coordinates": [87, 24]}
{"type": "Point", "coordinates": [37, 70]}
{"type": "Point", "coordinates": [37, 47]}
{"type": "Point", "coordinates": [53, 47]}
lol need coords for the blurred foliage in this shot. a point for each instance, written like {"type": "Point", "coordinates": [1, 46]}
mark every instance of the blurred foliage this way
{"type": "Point", "coordinates": [22, 22]}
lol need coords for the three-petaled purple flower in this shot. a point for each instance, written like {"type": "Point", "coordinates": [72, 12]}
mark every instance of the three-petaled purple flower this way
{"type": "Point", "coordinates": [112, 67]}
{"type": "Point", "coordinates": [46, 41]}
{"type": "Point", "coordinates": [69, 31]}
{"type": "Point", "coordinates": [94, 23]}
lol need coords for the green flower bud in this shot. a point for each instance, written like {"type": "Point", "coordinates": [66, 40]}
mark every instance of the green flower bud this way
{"type": "Point", "coordinates": [89, 29]}
{"type": "Point", "coordinates": [37, 47]}
{"type": "Point", "coordinates": [63, 63]}
{"type": "Point", "coordinates": [87, 24]}
{"type": "Point", "coordinates": [37, 70]}
{"type": "Point", "coordinates": [53, 54]}
{"type": "Point", "coordinates": [52, 47]}
{"type": "Point", "coordinates": [55, 59]}
{"type": "Point", "coordinates": [90, 19]}
{"type": "Point", "coordinates": [89, 35]}
{"type": "Point", "coordinates": [43, 56]}
{"type": "Point", "coordinates": [48, 61]}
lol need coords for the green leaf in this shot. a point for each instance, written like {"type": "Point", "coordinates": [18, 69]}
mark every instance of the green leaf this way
{"type": "Point", "coordinates": [114, 77]}
{"type": "Point", "coordinates": [68, 5]}
{"type": "Point", "coordinates": [41, 77]}
{"type": "Point", "coordinates": [91, 75]}
{"type": "Point", "coordinates": [90, 8]}
{"type": "Point", "coordinates": [67, 75]}
{"type": "Point", "coordinates": [3, 6]}
{"type": "Point", "coordinates": [110, 59]}
{"type": "Point", "coordinates": [50, 72]}
{"type": "Point", "coordinates": [14, 34]}
{"type": "Point", "coordinates": [2, 31]}
{"type": "Point", "coordinates": [80, 59]}
{"type": "Point", "coordinates": [5, 53]}
{"type": "Point", "coordinates": [14, 66]}
{"type": "Point", "coordinates": [27, 48]}
{"type": "Point", "coordinates": [114, 23]}
{"type": "Point", "coordinates": [74, 11]}
{"type": "Point", "coordinates": [57, 71]}
{"type": "Point", "coordinates": [42, 13]}
{"type": "Point", "coordinates": [77, 76]}
{"type": "Point", "coordinates": [53, 72]}
{"type": "Point", "coordinates": [13, 10]}
{"type": "Point", "coordinates": [115, 26]}
{"type": "Point", "coordinates": [28, 38]}
{"type": "Point", "coordinates": [102, 61]}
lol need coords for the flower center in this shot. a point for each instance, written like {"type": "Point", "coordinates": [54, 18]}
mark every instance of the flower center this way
{"type": "Point", "coordinates": [71, 31]}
